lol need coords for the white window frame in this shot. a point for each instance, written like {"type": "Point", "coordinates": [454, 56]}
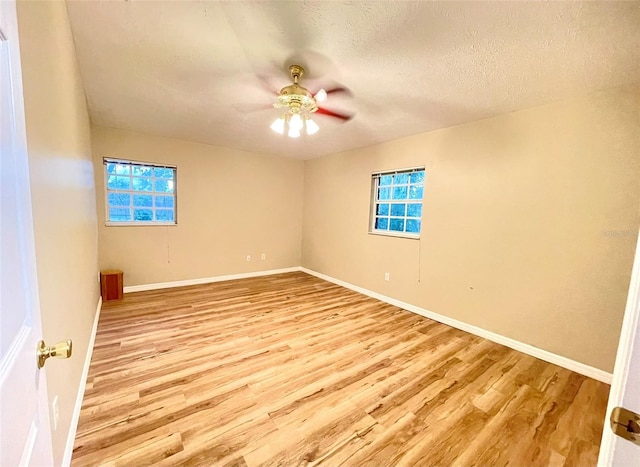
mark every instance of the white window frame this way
{"type": "Point", "coordinates": [375, 179]}
{"type": "Point", "coordinates": [132, 192]}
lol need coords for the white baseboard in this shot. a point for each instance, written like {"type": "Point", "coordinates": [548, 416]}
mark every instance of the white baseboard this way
{"type": "Point", "coordinates": [206, 280]}
{"type": "Point", "coordinates": [545, 355]}
{"type": "Point", "coordinates": [528, 349]}
{"type": "Point", "coordinates": [75, 417]}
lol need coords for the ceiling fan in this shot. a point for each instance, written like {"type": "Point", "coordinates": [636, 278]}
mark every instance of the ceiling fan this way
{"type": "Point", "coordinates": [300, 103]}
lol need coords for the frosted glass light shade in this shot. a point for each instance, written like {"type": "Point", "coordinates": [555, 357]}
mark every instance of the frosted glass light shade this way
{"type": "Point", "coordinates": [312, 127]}
{"type": "Point", "coordinates": [293, 132]}
{"type": "Point", "coordinates": [278, 125]}
{"type": "Point", "coordinates": [321, 96]}
{"type": "Point", "coordinates": [295, 122]}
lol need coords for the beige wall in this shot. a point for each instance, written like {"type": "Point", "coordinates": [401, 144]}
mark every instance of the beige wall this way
{"type": "Point", "coordinates": [530, 218]}
{"type": "Point", "coordinates": [230, 204]}
{"type": "Point", "coordinates": [63, 195]}
{"type": "Point", "coordinates": [529, 225]}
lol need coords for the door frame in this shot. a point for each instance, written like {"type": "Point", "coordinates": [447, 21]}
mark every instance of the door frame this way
{"type": "Point", "coordinates": [628, 334]}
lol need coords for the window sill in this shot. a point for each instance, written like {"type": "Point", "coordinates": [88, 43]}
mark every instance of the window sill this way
{"type": "Point", "coordinates": [138, 224]}
{"type": "Point", "coordinates": [395, 234]}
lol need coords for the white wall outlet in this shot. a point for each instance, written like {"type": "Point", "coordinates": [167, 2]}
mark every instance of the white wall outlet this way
{"type": "Point", "coordinates": [387, 276]}
{"type": "Point", "coordinates": [248, 257]}
{"type": "Point", "coordinates": [263, 256]}
{"type": "Point", "coordinates": [55, 412]}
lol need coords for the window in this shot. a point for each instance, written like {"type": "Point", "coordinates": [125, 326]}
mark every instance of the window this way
{"type": "Point", "coordinates": [138, 193]}
{"type": "Point", "coordinates": [396, 202]}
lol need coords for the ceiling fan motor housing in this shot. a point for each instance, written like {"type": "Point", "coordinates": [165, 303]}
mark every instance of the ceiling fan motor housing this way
{"type": "Point", "coordinates": [297, 98]}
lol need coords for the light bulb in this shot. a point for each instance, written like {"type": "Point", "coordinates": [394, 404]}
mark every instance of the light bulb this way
{"type": "Point", "coordinates": [278, 125]}
{"type": "Point", "coordinates": [312, 127]}
{"type": "Point", "coordinates": [295, 122]}
{"type": "Point", "coordinates": [293, 132]}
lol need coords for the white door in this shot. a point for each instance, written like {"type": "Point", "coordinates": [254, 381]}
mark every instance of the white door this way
{"type": "Point", "coordinates": [625, 388]}
{"type": "Point", "coordinates": [24, 419]}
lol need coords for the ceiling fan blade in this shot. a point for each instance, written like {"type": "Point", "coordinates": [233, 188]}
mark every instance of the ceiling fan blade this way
{"type": "Point", "coordinates": [339, 89]}
{"type": "Point", "coordinates": [334, 90]}
{"type": "Point", "coordinates": [267, 84]}
{"type": "Point", "coordinates": [330, 113]}
{"type": "Point", "coordinates": [250, 108]}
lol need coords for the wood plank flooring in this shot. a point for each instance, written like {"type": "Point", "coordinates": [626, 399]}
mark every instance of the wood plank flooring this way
{"type": "Point", "coordinates": [290, 370]}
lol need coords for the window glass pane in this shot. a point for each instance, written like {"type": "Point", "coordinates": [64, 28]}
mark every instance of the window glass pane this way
{"type": "Point", "coordinates": [143, 214]}
{"type": "Point", "coordinates": [415, 192]}
{"type": "Point", "coordinates": [400, 178]}
{"type": "Point", "coordinates": [417, 177]}
{"type": "Point", "coordinates": [382, 210]}
{"type": "Point", "coordinates": [414, 210]}
{"type": "Point", "coordinates": [413, 225]}
{"type": "Point", "coordinates": [382, 223]}
{"type": "Point", "coordinates": [399, 192]}
{"type": "Point", "coordinates": [119, 215]}
{"type": "Point", "coordinates": [397, 225]}
{"type": "Point", "coordinates": [142, 200]}
{"type": "Point", "coordinates": [117, 169]}
{"type": "Point", "coordinates": [141, 171]}
{"type": "Point", "coordinates": [164, 215]}
{"type": "Point", "coordinates": [142, 184]}
{"type": "Point", "coordinates": [163, 173]}
{"type": "Point", "coordinates": [398, 201]}
{"type": "Point", "coordinates": [123, 169]}
{"type": "Point", "coordinates": [119, 199]}
{"type": "Point", "coordinates": [384, 193]}
{"type": "Point", "coordinates": [164, 201]}
{"type": "Point", "coordinates": [118, 183]}
{"type": "Point", "coordinates": [398, 209]}
{"type": "Point", "coordinates": [140, 192]}
{"type": "Point", "coordinates": [164, 186]}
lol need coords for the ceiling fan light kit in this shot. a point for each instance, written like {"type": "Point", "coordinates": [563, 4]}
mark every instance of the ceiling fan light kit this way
{"type": "Point", "coordinates": [294, 123]}
{"type": "Point", "coordinates": [300, 104]}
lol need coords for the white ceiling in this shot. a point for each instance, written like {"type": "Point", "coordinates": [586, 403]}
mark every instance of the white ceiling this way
{"type": "Point", "coordinates": [189, 69]}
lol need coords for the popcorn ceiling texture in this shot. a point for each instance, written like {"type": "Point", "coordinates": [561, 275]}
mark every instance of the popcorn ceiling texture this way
{"type": "Point", "coordinates": [188, 69]}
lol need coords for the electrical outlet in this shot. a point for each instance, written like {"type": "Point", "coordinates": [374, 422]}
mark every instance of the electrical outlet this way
{"type": "Point", "coordinates": [55, 412]}
{"type": "Point", "coordinates": [263, 256]}
{"type": "Point", "coordinates": [387, 276]}
{"type": "Point", "coordinates": [248, 257]}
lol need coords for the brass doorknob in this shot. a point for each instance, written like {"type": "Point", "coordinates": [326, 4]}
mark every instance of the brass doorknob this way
{"type": "Point", "coordinates": [626, 424]}
{"type": "Point", "coordinates": [60, 350]}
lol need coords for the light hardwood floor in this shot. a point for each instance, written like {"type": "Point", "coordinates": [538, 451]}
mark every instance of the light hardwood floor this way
{"type": "Point", "coordinates": [290, 370]}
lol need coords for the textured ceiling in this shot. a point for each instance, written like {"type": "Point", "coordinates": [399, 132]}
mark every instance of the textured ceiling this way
{"type": "Point", "coordinates": [190, 69]}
